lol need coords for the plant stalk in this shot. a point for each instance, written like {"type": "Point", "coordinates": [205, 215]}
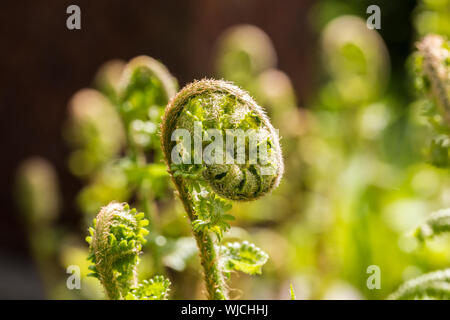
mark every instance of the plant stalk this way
{"type": "Point", "coordinates": [213, 275]}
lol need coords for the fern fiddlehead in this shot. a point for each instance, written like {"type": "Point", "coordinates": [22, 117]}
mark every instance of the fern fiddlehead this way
{"type": "Point", "coordinates": [432, 79]}
{"type": "Point", "coordinates": [204, 185]}
{"type": "Point", "coordinates": [115, 242]}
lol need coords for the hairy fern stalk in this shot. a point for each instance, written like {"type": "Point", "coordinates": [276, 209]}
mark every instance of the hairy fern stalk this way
{"type": "Point", "coordinates": [205, 188]}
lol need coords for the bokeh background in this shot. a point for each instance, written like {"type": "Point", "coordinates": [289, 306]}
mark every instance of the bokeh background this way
{"type": "Point", "coordinates": [356, 178]}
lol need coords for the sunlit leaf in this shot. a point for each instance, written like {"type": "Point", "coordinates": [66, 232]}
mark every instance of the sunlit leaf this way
{"type": "Point", "coordinates": [244, 257]}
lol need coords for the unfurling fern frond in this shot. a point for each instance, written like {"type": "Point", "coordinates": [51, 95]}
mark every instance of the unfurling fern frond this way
{"type": "Point", "coordinates": [434, 285]}
{"type": "Point", "coordinates": [436, 224]}
{"type": "Point", "coordinates": [206, 112]}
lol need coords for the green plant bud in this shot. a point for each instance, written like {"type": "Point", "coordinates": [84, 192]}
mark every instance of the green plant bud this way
{"type": "Point", "coordinates": [145, 79]}
{"type": "Point", "coordinates": [95, 130]}
{"type": "Point", "coordinates": [37, 191]}
{"type": "Point", "coordinates": [355, 59]}
{"type": "Point", "coordinates": [145, 88]}
{"type": "Point", "coordinates": [243, 51]}
{"type": "Point", "coordinates": [108, 77]}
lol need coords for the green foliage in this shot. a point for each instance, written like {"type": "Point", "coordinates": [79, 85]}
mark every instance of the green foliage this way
{"type": "Point", "coordinates": [432, 16]}
{"type": "Point", "coordinates": [291, 292]}
{"type": "Point", "coordinates": [244, 257]}
{"type": "Point", "coordinates": [154, 289]}
{"type": "Point", "coordinates": [115, 133]}
{"type": "Point", "coordinates": [436, 224]}
{"type": "Point", "coordinates": [431, 66]}
{"type": "Point", "coordinates": [211, 213]}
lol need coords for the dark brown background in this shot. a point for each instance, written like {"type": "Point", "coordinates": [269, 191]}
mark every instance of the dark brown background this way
{"type": "Point", "coordinates": [42, 64]}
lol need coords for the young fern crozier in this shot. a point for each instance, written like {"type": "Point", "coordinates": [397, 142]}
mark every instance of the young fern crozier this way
{"type": "Point", "coordinates": [431, 65]}
{"type": "Point", "coordinates": [205, 110]}
{"type": "Point", "coordinates": [435, 54]}
{"type": "Point", "coordinates": [115, 242]}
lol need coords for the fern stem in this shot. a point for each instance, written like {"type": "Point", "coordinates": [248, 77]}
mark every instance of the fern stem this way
{"type": "Point", "coordinates": [110, 285]}
{"type": "Point", "coordinates": [214, 281]}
